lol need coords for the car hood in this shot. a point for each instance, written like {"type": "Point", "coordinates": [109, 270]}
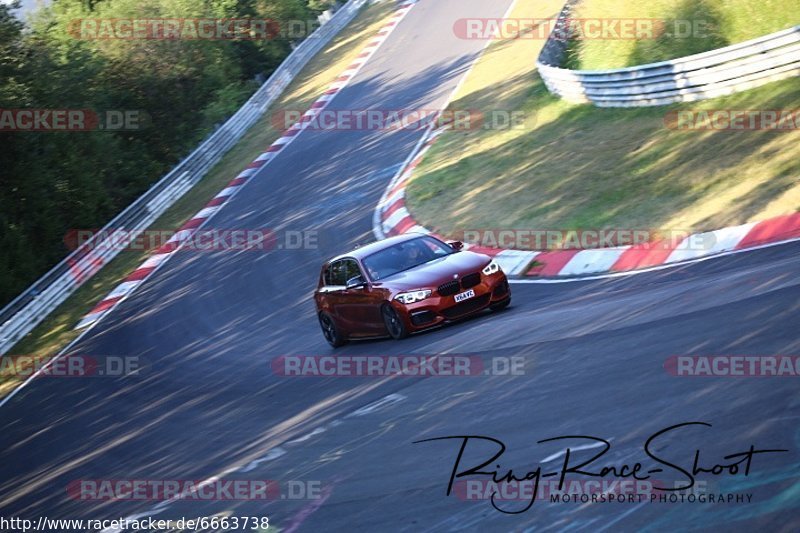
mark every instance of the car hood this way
{"type": "Point", "coordinates": [433, 274]}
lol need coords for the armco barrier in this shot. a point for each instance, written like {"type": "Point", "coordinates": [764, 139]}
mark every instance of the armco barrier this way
{"type": "Point", "coordinates": [696, 77]}
{"type": "Point", "coordinates": [32, 306]}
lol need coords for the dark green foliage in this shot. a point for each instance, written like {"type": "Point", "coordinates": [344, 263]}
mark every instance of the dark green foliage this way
{"type": "Point", "coordinates": [51, 182]}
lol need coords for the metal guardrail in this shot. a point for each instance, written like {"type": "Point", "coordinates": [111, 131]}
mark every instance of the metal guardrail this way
{"type": "Point", "coordinates": [28, 309]}
{"type": "Point", "coordinates": [696, 77]}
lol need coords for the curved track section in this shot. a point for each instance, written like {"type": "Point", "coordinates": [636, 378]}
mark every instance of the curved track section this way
{"type": "Point", "coordinates": [209, 325]}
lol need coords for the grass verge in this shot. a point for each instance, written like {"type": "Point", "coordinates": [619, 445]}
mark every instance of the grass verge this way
{"type": "Point", "coordinates": [57, 331]}
{"type": "Point", "coordinates": [689, 27]}
{"type": "Point", "coordinates": [576, 166]}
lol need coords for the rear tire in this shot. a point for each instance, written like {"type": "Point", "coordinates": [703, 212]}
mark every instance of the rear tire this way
{"type": "Point", "coordinates": [330, 331]}
{"type": "Point", "coordinates": [394, 324]}
{"type": "Point", "coordinates": [499, 306]}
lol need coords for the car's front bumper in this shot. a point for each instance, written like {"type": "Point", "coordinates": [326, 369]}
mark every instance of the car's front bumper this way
{"type": "Point", "coordinates": [438, 309]}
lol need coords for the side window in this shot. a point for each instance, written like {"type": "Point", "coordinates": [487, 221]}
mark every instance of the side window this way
{"type": "Point", "coordinates": [351, 267]}
{"type": "Point", "coordinates": [336, 273]}
{"type": "Point", "coordinates": [328, 276]}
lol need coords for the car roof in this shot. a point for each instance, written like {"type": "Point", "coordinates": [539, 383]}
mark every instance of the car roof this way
{"type": "Point", "coordinates": [365, 251]}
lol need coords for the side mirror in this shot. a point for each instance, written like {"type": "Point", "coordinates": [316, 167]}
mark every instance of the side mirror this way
{"type": "Point", "coordinates": [357, 282]}
{"type": "Point", "coordinates": [456, 245]}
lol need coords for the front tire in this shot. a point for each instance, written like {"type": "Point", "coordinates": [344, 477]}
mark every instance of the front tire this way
{"type": "Point", "coordinates": [394, 324]}
{"type": "Point", "coordinates": [331, 333]}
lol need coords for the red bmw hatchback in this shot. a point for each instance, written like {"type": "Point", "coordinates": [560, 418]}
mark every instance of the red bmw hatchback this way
{"type": "Point", "coordinates": [405, 284]}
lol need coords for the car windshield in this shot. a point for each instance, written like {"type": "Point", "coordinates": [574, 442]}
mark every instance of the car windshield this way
{"type": "Point", "coordinates": [404, 256]}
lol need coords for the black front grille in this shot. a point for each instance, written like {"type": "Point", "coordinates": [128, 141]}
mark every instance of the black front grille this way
{"type": "Point", "coordinates": [471, 280]}
{"type": "Point", "coordinates": [467, 306]}
{"type": "Point", "coordinates": [453, 287]}
{"type": "Point", "coordinates": [449, 288]}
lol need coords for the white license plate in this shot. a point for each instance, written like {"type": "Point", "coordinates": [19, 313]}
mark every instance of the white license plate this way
{"type": "Point", "coordinates": [465, 296]}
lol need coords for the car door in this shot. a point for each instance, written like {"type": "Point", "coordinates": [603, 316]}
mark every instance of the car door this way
{"type": "Point", "coordinates": [363, 302]}
{"type": "Point", "coordinates": [333, 293]}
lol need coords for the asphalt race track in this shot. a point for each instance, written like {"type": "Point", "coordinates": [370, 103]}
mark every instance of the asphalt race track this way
{"type": "Point", "coordinates": [208, 325]}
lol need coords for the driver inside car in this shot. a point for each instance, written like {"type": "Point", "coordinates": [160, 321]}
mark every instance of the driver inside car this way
{"type": "Point", "coordinates": [413, 255]}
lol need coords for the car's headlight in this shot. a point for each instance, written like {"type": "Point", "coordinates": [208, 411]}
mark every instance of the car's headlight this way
{"type": "Point", "coordinates": [413, 296]}
{"type": "Point", "coordinates": [491, 268]}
